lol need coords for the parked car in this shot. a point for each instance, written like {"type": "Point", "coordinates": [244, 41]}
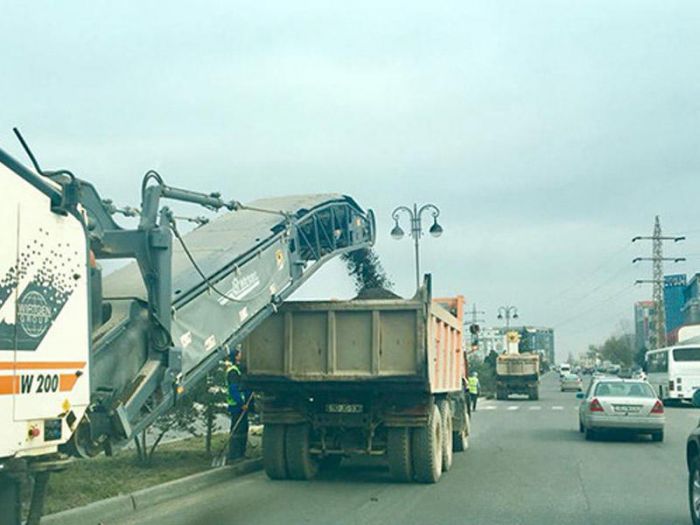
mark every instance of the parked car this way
{"type": "Point", "coordinates": [624, 404]}
{"type": "Point", "coordinates": [571, 382]}
{"type": "Point", "coordinates": [625, 373]}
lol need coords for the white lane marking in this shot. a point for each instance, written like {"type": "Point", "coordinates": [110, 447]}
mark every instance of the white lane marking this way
{"type": "Point", "coordinates": [557, 408]}
{"type": "Point", "coordinates": [536, 408]}
{"type": "Point", "coordinates": [513, 407]}
{"type": "Point", "coordinates": [488, 408]}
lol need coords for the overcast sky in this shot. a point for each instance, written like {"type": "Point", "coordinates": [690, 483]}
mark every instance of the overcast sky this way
{"type": "Point", "coordinates": [549, 133]}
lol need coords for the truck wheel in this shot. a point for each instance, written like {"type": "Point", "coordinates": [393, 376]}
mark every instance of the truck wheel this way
{"type": "Point", "coordinates": [446, 421]}
{"type": "Point", "coordinates": [10, 500]}
{"type": "Point", "coordinates": [273, 449]}
{"type": "Point", "coordinates": [460, 439]}
{"type": "Point", "coordinates": [427, 449]}
{"type": "Point", "coordinates": [534, 394]}
{"type": "Point", "coordinates": [398, 450]}
{"type": "Point", "coordinates": [300, 464]}
{"type": "Point", "coordinates": [658, 436]}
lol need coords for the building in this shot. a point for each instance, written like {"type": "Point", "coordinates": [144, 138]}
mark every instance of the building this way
{"type": "Point", "coordinates": [691, 301]}
{"type": "Point", "coordinates": [490, 340]}
{"type": "Point", "coordinates": [532, 339]}
{"type": "Point", "coordinates": [674, 300]}
{"type": "Point", "coordinates": [537, 339]}
{"type": "Point", "coordinates": [644, 325]}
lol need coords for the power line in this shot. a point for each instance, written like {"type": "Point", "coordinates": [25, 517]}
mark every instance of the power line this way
{"type": "Point", "coordinates": [594, 307]}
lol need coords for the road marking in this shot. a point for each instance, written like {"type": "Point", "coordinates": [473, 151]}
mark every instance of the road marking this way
{"type": "Point", "coordinates": [557, 408]}
{"type": "Point", "coordinates": [490, 407]}
{"type": "Point", "coordinates": [513, 407]}
{"type": "Point", "coordinates": [536, 408]}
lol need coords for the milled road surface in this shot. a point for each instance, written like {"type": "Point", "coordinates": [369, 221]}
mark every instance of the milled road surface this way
{"type": "Point", "coordinates": [527, 464]}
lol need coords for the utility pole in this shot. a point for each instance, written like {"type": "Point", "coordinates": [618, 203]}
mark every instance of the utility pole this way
{"type": "Point", "coordinates": [474, 327]}
{"type": "Point", "coordinates": [657, 258]}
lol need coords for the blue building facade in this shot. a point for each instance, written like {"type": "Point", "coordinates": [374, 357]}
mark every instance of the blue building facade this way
{"type": "Point", "coordinates": [674, 300]}
{"type": "Point", "coordinates": [691, 299]}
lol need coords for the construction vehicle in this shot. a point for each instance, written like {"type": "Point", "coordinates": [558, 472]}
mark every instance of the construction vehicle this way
{"type": "Point", "coordinates": [86, 362]}
{"type": "Point", "coordinates": [518, 374]}
{"type": "Point", "coordinates": [377, 377]}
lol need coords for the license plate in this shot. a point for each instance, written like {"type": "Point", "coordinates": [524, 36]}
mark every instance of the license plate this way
{"type": "Point", "coordinates": [344, 408]}
{"type": "Point", "coordinates": [627, 409]}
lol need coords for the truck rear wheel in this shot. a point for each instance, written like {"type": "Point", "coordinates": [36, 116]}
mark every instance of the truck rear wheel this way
{"type": "Point", "coordinates": [534, 394]}
{"type": "Point", "coordinates": [460, 438]}
{"type": "Point", "coordinates": [398, 450]}
{"type": "Point", "coordinates": [273, 449]}
{"type": "Point", "coordinates": [300, 464]}
{"type": "Point", "coordinates": [427, 449]}
{"type": "Point", "coordinates": [446, 421]}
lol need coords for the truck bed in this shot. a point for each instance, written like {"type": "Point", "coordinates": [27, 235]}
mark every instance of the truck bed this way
{"type": "Point", "coordinates": [386, 342]}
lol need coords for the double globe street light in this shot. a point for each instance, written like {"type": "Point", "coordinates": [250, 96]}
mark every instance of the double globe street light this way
{"type": "Point", "coordinates": [507, 312]}
{"type": "Point", "coordinates": [414, 216]}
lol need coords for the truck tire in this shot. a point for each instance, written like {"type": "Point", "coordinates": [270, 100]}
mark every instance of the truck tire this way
{"type": "Point", "coordinates": [300, 464]}
{"type": "Point", "coordinates": [534, 394]}
{"type": "Point", "coordinates": [398, 450]}
{"type": "Point", "coordinates": [10, 501]}
{"type": "Point", "coordinates": [273, 451]}
{"type": "Point", "coordinates": [447, 432]}
{"type": "Point", "coordinates": [460, 438]}
{"type": "Point", "coordinates": [427, 449]}
{"type": "Point", "coordinates": [501, 395]}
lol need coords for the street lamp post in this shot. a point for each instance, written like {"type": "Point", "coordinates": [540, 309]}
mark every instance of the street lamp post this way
{"type": "Point", "coordinates": [414, 216]}
{"type": "Point", "coordinates": [507, 312]}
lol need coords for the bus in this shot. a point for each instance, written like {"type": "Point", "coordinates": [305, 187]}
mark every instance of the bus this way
{"type": "Point", "coordinates": [674, 372]}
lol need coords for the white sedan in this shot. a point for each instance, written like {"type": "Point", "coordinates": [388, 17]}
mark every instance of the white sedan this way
{"type": "Point", "coordinates": [624, 404]}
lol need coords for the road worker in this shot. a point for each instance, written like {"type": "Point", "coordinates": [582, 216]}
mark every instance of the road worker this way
{"type": "Point", "coordinates": [474, 387]}
{"type": "Point", "coordinates": [237, 408]}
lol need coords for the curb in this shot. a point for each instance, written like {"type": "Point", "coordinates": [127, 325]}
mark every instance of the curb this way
{"type": "Point", "coordinates": [121, 506]}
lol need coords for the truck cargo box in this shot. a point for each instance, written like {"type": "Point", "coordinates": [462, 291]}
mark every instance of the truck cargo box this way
{"type": "Point", "coordinates": [517, 365]}
{"type": "Point", "coordinates": [386, 341]}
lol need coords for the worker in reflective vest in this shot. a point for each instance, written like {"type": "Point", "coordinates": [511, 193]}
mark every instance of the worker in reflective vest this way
{"type": "Point", "coordinates": [474, 387]}
{"type": "Point", "coordinates": [237, 408]}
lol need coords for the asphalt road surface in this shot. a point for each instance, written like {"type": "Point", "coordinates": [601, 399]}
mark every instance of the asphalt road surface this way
{"type": "Point", "coordinates": [526, 464]}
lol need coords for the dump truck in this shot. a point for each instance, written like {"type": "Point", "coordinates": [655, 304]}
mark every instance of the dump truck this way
{"type": "Point", "coordinates": [378, 377]}
{"type": "Point", "coordinates": [86, 362]}
{"type": "Point", "coordinates": [518, 374]}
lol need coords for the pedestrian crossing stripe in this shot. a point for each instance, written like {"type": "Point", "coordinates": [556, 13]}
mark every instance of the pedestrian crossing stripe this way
{"type": "Point", "coordinates": [536, 408]}
{"type": "Point", "coordinates": [513, 408]}
{"type": "Point", "coordinates": [557, 408]}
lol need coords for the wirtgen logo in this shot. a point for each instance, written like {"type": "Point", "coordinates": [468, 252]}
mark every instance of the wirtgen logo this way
{"type": "Point", "coordinates": [34, 314]}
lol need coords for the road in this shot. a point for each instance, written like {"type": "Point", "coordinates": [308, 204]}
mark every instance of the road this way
{"type": "Point", "coordinates": [527, 464]}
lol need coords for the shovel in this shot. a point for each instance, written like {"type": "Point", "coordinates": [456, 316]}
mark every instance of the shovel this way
{"type": "Point", "coordinates": [220, 459]}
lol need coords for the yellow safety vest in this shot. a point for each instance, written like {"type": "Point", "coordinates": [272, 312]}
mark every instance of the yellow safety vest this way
{"type": "Point", "coordinates": [473, 384]}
